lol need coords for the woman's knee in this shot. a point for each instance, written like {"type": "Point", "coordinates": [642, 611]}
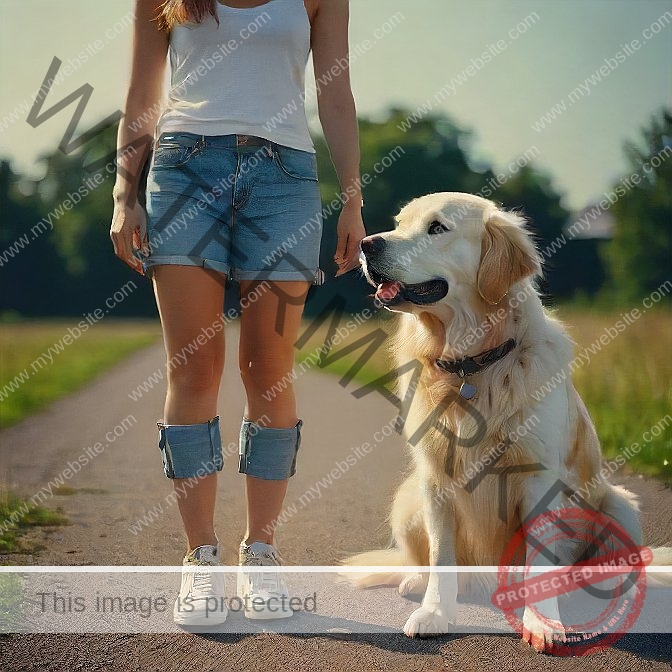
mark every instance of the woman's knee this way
{"type": "Point", "coordinates": [199, 371]}
{"type": "Point", "coordinates": [261, 374]}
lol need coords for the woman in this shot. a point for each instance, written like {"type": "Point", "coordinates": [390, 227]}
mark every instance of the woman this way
{"type": "Point", "coordinates": [233, 177]}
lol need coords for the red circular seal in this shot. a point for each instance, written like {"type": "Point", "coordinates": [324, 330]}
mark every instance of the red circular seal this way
{"type": "Point", "coordinates": [610, 573]}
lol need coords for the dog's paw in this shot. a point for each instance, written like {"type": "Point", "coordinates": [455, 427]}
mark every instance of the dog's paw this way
{"type": "Point", "coordinates": [413, 584]}
{"type": "Point", "coordinates": [426, 622]}
{"type": "Point", "coordinates": [544, 635]}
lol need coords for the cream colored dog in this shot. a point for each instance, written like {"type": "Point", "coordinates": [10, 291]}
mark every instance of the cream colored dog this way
{"type": "Point", "coordinates": [459, 271]}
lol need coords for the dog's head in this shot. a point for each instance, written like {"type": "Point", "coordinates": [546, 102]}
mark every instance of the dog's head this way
{"type": "Point", "coordinates": [448, 249]}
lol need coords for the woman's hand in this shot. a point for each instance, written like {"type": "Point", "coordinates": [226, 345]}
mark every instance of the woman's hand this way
{"type": "Point", "coordinates": [129, 232]}
{"type": "Point", "coordinates": [350, 231]}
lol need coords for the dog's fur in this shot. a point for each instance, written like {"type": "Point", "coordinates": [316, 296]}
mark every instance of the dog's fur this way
{"type": "Point", "coordinates": [488, 258]}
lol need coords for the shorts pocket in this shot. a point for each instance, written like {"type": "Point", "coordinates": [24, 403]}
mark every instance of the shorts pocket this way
{"type": "Point", "coordinates": [174, 151]}
{"type": "Point", "coordinates": [296, 163]}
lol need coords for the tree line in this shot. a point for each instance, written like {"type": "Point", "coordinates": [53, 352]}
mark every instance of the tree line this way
{"type": "Point", "coordinates": [58, 261]}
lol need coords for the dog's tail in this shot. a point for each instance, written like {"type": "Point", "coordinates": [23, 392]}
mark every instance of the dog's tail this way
{"type": "Point", "coordinates": [387, 557]}
{"type": "Point", "coordinates": [622, 506]}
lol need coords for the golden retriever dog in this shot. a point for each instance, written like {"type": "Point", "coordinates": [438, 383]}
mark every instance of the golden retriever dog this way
{"type": "Point", "coordinates": [459, 271]}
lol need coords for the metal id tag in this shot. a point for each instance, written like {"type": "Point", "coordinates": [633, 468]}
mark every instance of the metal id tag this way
{"type": "Point", "coordinates": [468, 391]}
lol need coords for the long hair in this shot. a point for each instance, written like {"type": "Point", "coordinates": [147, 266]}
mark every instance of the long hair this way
{"type": "Point", "coordinates": [182, 11]}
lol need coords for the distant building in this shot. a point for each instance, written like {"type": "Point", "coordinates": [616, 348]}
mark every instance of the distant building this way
{"type": "Point", "coordinates": [591, 222]}
{"type": "Point", "coordinates": [580, 265]}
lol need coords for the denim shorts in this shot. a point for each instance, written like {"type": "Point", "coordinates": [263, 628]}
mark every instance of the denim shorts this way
{"type": "Point", "coordinates": [237, 204]}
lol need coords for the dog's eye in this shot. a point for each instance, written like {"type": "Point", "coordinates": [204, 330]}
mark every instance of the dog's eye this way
{"type": "Point", "coordinates": [437, 227]}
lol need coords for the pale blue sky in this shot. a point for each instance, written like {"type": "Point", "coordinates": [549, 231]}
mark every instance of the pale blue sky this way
{"type": "Point", "coordinates": [434, 42]}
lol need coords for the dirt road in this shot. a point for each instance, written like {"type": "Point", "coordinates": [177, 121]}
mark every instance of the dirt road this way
{"type": "Point", "coordinates": [121, 484]}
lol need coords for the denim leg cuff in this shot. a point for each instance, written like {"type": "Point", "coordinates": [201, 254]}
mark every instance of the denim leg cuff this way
{"type": "Point", "coordinates": [191, 450]}
{"type": "Point", "coordinates": [268, 452]}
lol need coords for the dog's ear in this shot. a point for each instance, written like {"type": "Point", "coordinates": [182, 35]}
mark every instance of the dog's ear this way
{"type": "Point", "coordinates": [507, 255]}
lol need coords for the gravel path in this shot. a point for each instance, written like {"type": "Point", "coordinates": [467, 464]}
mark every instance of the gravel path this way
{"type": "Point", "coordinates": [125, 481]}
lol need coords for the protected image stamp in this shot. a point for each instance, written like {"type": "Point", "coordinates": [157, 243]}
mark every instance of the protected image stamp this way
{"type": "Point", "coordinates": [607, 583]}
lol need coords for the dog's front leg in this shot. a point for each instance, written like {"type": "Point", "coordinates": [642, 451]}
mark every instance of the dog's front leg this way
{"type": "Point", "coordinates": [438, 612]}
{"type": "Point", "coordinates": [542, 627]}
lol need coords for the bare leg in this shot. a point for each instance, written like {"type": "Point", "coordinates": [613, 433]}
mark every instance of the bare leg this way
{"type": "Point", "coordinates": [189, 299]}
{"type": "Point", "coordinates": [265, 358]}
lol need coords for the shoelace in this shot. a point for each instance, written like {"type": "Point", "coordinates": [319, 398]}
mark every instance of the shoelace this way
{"type": "Point", "coordinates": [265, 581]}
{"type": "Point", "coordinates": [202, 578]}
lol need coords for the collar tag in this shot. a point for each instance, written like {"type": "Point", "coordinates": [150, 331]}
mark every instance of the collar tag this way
{"type": "Point", "coordinates": [467, 390]}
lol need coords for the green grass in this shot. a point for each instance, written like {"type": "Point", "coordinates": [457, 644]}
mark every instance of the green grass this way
{"type": "Point", "coordinates": [11, 602]}
{"type": "Point", "coordinates": [95, 351]}
{"type": "Point", "coordinates": [19, 515]}
{"type": "Point", "coordinates": [627, 386]}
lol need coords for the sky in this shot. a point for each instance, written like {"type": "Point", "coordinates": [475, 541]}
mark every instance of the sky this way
{"type": "Point", "coordinates": [417, 48]}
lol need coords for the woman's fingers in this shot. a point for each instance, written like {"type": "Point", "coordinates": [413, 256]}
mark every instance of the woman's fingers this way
{"type": "Point", "coordinates": [135, 264]}
{"type": "Point", "coordinates": [350, 259]}
{"type": "Point", "coordinates": [123, 248]}
{"type": "Point", "coordinates": [339, 256]}
{"type": "Point", "coordinates": [341, 246]}
{"type": "Point", "coordinates": [142, 234]}
{"type": "Point", "coordinates": [140, 241]}
{"type": "Point", "coordinates": [351, 265]}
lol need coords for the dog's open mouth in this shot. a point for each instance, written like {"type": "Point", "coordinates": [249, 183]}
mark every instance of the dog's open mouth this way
{"type": "Point", "coordinates": [392, 292]}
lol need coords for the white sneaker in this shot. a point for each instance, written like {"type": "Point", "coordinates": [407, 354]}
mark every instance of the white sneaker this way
{"type": "Point", "coordinates": [264, 594]}
{"type": "Point", "coordinates": [202, 597]}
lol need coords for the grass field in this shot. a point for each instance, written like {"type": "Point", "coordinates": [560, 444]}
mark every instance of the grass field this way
{"type": "Point", "coordinates": [28, 383]}
{"type": "Point", "coordinates": [17, 515]}
{"type": "Point", "coordinates": [627, 385]}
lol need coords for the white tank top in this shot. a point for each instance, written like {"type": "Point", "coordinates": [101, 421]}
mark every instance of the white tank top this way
{"type": "Point", "coordinates": [245, 76]}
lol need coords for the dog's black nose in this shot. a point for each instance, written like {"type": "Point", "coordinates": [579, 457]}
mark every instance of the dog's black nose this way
{"type": "Point", "coordinates": [372, 245]}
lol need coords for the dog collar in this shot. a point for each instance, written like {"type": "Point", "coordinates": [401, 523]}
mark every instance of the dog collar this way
{"type": "Point", "coordinates": [468, 366]}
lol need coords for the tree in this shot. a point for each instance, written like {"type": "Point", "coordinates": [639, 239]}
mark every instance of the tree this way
{"type": "Point", "coordinates": [29, 265]}
{"type": "Point", "coordinates": [639, 257]}
{"type": "Point", "coordinates": [80, 235]}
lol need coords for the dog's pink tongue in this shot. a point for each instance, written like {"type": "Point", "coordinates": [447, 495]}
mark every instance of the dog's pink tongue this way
{"type": "Point", "coordinates": [388, 290]}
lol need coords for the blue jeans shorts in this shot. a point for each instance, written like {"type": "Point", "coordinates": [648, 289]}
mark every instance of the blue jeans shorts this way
{"type": "Point", "coordinates": [237, 204]}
